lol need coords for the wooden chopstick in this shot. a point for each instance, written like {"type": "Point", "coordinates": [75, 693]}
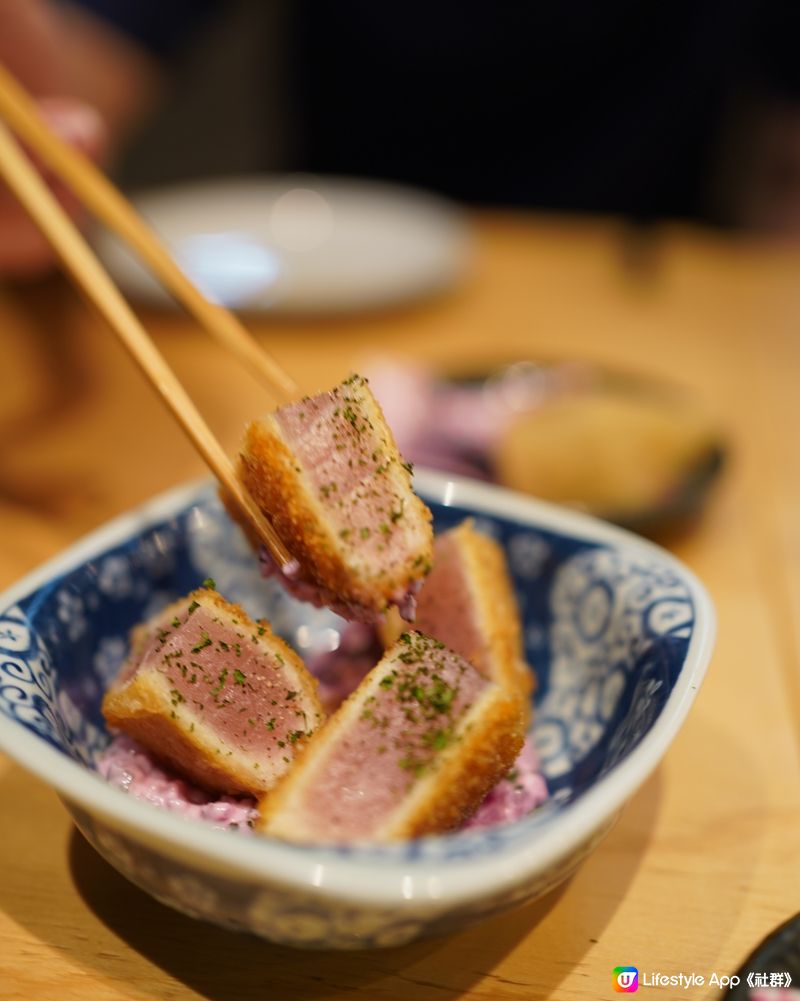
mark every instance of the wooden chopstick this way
{"type": "Point", "coordinates": [102, 198]}
{"type": "Point", "coordinates": [43, 207]}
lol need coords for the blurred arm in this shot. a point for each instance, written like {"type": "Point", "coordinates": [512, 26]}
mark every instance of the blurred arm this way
{"type": "Point", "coordinates": [94, 85]}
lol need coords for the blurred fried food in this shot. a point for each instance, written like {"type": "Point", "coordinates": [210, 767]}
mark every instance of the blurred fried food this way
{"type": "Point", "coordinates": [610, 452]}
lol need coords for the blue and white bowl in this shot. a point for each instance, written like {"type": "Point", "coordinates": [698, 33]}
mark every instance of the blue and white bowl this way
{"type": "Point", "coordinates": [619, 631]}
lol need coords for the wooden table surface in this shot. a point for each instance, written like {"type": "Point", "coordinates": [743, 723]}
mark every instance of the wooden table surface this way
{"type": "Point", "coordinates": [703, 862]}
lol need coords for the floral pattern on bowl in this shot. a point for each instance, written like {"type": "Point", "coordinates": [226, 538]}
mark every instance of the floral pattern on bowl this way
{"type": "Point", "coordinates": [619, 633]}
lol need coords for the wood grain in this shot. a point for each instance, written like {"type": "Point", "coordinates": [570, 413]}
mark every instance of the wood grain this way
{"type": "Point", "coordinates": [702, 863]}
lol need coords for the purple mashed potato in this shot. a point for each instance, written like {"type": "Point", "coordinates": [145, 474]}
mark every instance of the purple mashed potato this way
{"type": "Point", "coordinates": [339, 671]}
{"type": "Point", "coordinates": [522, 790]}
{"type": "Point", "coordinates": [130, 767]}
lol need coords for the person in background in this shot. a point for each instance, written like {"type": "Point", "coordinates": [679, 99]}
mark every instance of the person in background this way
{"type": "Point", "coordinates": [688, 109]}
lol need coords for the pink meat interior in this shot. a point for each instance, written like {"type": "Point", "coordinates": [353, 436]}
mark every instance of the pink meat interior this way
{"type": "Point", "coordinates": [217, 669]}
{"type": "Point", "coordinates": [411, 714]}
{"type": "Point", "coordinates": [346, 459]}
{"type": "Point", "coordinates": [446, 607]}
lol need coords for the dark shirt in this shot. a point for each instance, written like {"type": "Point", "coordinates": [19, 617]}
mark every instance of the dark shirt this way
{"type": "Point", "coordinates": [590, 105]}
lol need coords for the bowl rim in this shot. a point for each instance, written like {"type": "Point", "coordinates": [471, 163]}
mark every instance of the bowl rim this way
{"type": "Point", "coordinates": [372, 880]}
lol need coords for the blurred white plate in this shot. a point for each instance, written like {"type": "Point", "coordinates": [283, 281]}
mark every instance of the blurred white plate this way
{"type": "Point", "coordinates": [298, 243]}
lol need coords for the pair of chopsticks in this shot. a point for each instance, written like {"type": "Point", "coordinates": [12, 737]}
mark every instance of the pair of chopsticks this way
{"type": "Point", "coordinates": [19, 115]}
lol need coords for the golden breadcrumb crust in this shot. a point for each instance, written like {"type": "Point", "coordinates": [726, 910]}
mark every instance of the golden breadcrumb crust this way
{"type": "Point", "coordinates": [143, 708]}
{"type": "Point", "coordinates": [488, 740]}
{"type": "Point", "coordinates": [493, 593]}
{"type": "Point", "coordinates": [275, 479]}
